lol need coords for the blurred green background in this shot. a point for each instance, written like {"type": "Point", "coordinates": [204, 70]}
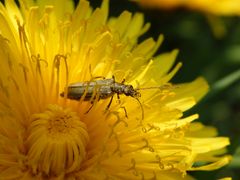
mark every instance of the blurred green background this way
{"type": "Point", "coordinates": [209, 47]}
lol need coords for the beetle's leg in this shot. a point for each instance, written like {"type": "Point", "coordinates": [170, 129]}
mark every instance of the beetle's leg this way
{"type": "Point", "coordinates": [123, 81]}
{"type": "Point", "coordinates": [109, 104]}
{"type": "Point", "coordinates": [92, 104]}
{"type": "Point", "coordinates": [125, 111]}
{"type": "Point", "coordinates": [119, 101]}
{"type": "Point", "coordinates": [95, 97]}
{"type": "Point", "coordinates": [113, 77]}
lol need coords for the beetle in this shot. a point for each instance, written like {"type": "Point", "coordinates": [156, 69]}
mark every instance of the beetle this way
{"type": "Point", "coordinates": [101, 89]}
{"type": "Point", "coordinates": [104, 87]}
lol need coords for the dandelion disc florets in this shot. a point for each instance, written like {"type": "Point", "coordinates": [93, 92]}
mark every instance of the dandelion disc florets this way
{"type": "Point", "coordinates": [56, 142]}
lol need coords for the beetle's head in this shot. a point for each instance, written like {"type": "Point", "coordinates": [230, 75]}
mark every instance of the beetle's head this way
{"type": "Point", "coordinates": [130, 91]}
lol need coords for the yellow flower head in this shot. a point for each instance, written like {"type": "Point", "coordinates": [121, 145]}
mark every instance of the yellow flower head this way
{"type": "Point", "coordinates": [47, 45]}
{"type": "Point", "coordinates": [217, 7]}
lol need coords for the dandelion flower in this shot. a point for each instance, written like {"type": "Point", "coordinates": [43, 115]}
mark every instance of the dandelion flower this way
{"type": "Point", "coordinates": [216, 7]}
{"type": "Point", "coordinates": [45, 46]}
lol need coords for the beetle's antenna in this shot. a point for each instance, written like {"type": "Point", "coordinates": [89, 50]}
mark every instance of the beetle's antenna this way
{"type": "Point", "coordinates": [157, 87]}
{"type": "Point", "coordinates": [140, 107]}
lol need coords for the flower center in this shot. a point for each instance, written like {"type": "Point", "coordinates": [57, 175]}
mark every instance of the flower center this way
{"type": "Point", "coordinates": [61, 123]}
{"type": "Point", "coordinates": [56, 142]}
